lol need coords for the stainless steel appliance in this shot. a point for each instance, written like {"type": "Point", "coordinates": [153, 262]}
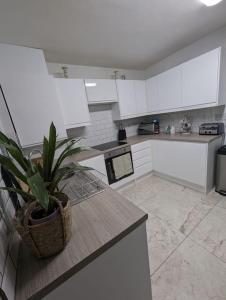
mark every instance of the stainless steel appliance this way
{"type": "Point", "coordinates": [211, 129]}
{"type": "Point", "coordinates": [221, 171]}
{"type": "Point", "coordinates": [146, 128]}
{"type": "Point", "coordinates": [119, 164]}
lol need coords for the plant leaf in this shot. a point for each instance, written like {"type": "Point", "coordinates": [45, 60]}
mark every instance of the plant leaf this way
{"type": "Point", "coordinates": [62, 143]}
{"type": "Point", "coordinates": [51, 149]}
{"type": "Point", "coordinates": [45, 158]}
{"type": "Point", "coordinates": [20, 192]}
{"type": "Point", "coordinates": [8, 164]}
{"type": "Point", "coordinates": [39, 190]}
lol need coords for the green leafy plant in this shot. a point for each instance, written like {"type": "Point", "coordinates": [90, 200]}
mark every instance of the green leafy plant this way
{"type": "Point", "coordinates": [41, 179]}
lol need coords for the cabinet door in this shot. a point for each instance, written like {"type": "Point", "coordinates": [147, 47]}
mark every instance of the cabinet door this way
{"type": "Point", "coordinates": [200, 79]}
{"type": "Point", "coordinates": [127, 100]}
{"type": "Point", "coordinates": [152, 94]}
{"type": "Point", "coordinates": [140, 95]}
{"type": "Point", "coordinates": [33, 105]}
{"type": "Point", "coordinates": [101, 90]}
{"type": "Point", "coordinates": [186, 161]}
{"type": "Point", "coordinates": [98, 164]}
{"type": "Point", "coordinates": [73, 101]}
{"type": "Point", "coordinates": [22, 60]}
{"type": "Point", "coordinates": [170, 89]}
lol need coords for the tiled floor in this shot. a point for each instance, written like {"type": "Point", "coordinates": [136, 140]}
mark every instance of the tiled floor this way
{"type": "Point", "coordinates": [186, 238]}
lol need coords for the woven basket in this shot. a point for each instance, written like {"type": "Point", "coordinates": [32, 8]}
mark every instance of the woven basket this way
{"type": "Point", "coordinates": [48, 238]}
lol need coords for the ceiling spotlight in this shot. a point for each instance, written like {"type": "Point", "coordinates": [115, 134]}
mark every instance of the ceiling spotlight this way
{"type": "Point", "coordinates": [210, 2]}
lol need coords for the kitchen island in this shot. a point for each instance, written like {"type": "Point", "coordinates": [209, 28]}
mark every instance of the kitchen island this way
{"type": "Point", "coordinates": [106, 259]}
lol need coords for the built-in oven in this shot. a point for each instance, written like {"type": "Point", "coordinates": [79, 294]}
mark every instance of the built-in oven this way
{"type": "Point", "coordinates": [119, 164]}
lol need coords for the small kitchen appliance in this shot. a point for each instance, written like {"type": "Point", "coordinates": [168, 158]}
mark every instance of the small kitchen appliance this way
{"type": "Point", "coordinates": [211, 129]}
{"type": "Point", "coordinates": [185, 126]}
{"type": "Point", "coordinates": [221, 171]}
{"type": "Point", "coordinates": [146, 128]}
{"type": "Point", "coordinates": [122, 138]}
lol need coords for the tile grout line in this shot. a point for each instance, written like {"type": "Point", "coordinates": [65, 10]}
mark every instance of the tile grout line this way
{"type": "Point", "coordinates": [186, 237]}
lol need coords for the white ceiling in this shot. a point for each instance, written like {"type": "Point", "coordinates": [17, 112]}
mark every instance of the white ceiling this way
{"type": "Point", "coordinates": [110, 33]}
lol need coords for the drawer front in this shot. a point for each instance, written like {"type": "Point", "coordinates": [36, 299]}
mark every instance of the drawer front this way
{"type": "Point", "coordinates": [142, 153]}
{"type": "Point", "coordinates": [141, 161]}
{"type": "Point", "coordinates": [140, 146]}
{"type": "Point", "coordinates": [142, 170]}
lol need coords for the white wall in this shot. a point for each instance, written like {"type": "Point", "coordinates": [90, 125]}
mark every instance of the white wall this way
{"type": "Point", "coordinates": [76, 71]}
{"type": "Point", "coordinates": [211, 41]}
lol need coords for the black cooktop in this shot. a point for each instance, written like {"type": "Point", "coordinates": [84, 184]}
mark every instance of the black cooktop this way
{"type": "Point", "coordinates": [109, 145]}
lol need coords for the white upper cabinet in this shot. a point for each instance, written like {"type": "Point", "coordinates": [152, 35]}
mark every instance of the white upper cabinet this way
{"type": "Point", "coordinates": [73, 101]}
{"type": "Point", "coordinates": [196, 83]}
{"type": "Point", "coordinates": [22, 60]}
{"type": "Point", "coordinates": [33, 105]}
{"type": "Point", "coordinates": [152, 94]}
{"type": "Point", "coordinates": [169, 89]}
{"type": "Point", "coordinates": [127, 100]}
{"type": "Point", "coordinates": [201, 79]}
{"type": "Point", "coordinates": [101, 91]}
{"type": "Point", "coordinates": [132, 99]}
{"type": "Point", "coordinates": [140, 96]}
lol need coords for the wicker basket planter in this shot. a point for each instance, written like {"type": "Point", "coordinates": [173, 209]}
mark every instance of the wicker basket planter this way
{"type": "Point", "coordinates": [49, 237]}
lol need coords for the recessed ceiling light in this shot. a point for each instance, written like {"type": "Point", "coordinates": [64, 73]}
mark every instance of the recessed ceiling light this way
{"type": "Point", "coordinates": [210, 2]}
{"type": "Point", "coordinates": [90, 84]}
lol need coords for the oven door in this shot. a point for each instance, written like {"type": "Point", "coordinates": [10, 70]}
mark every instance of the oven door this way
{"type": "Point", "coordinates": [119, 167]}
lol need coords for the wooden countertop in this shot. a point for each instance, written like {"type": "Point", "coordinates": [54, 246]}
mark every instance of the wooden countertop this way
{"type": "Point", "coordinates": [192, 138]}
{"type": "Point", "coordinates": [98, 223]}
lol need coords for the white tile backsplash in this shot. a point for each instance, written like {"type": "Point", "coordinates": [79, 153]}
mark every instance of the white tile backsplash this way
{"type": "Point", "coordinates": [103, 129]}
{"type": "Point", "coordinates": [198, 116]}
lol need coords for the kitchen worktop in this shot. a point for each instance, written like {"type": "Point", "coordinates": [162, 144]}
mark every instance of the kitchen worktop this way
{"type": "Point", "coordinates": [192, 138]}
{"type": "Point", "coordinates": [98, 224]}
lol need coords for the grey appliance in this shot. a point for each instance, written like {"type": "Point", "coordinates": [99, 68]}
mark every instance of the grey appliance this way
{"type": "Point", "coordinates": [221, 171]}
{"type": "Point", "coordinates": [146, 128]}
{"type": "Point", "coordinates": [211, 129]}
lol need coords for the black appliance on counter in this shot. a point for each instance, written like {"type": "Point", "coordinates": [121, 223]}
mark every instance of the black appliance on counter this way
{"type": "Point", "coordinates": [146, 128]}
{"type": "Point", "coordinates": [211, 129]}
{"type": "Point", "coordinates": [122, 138]}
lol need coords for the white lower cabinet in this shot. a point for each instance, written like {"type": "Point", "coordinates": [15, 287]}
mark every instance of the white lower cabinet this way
{"type": "Point", "coordinates": [142, 158]}
{"type": "Point", "coordinates": [98, 164]}
{"type": "Point", "coordinates": [192, 164]}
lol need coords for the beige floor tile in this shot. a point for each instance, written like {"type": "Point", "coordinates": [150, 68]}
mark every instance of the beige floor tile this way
{"type": "Point", "coordinates": [181, 212]}
{"type": "Point", "coordinates": [222, 202]}
{"type": "Point", "coordinates": [191, 273]}
{"type": "Point", "coordinates": [162, 240]}
{"type": "Point", "coordinates": [211, 233]}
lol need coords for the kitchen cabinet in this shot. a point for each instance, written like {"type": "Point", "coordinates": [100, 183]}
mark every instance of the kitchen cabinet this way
{"type": "Point", "coordinates": [169, 89]}
{"type": "Point", "coordinates": [33, 105]}
{"type": "Point", "coordinates": [201, 79]}
{"type": "Point", "coordinates": [164, 91]}
{"type": "Point", "coordinates": [22, 60]}
{"type": "Point", "coordinates": [132, 99]}
{"type": "Point", "coordinates": [190, 164]}
{"type": "Point", "coordinates": [98, 164]}
{"type": "Point", "coordinates": [101, 91]}
{"type": "Point", "coordinates": [72, 96]}
{"type": "Point", "coordinates": [142, 158]}
{"type": "Point", "coordinates": [140, 96]}
{"type": "Point", "coordinates": [197, 83]}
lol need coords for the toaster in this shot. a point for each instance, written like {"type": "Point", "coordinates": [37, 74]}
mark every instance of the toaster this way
{"type": "Point", "coordinates": [211, 129]}
{"type": "Point", "coordinates": [148, 128]}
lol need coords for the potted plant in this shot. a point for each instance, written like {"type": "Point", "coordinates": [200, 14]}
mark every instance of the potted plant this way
{"type": "Point", "coordinates": [43, 216]}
